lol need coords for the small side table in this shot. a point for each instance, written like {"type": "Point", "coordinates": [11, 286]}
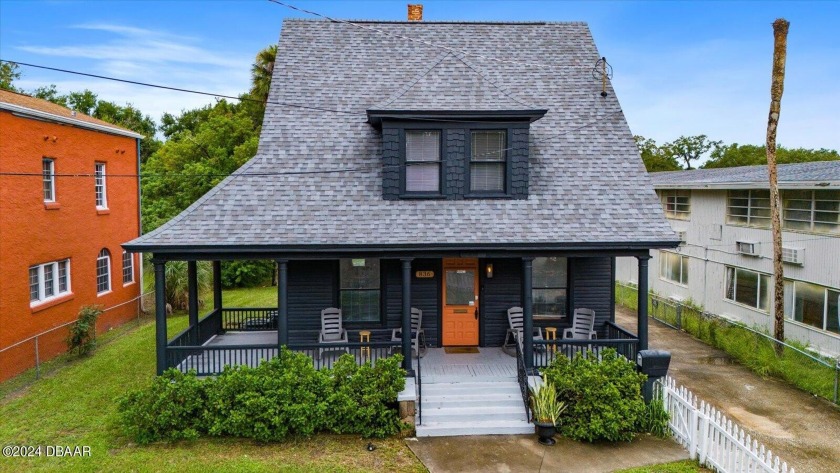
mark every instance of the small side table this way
{"type": "Point", "coordinates": [551, 334]}
{"type": "Point", "coordinates": [364, 337]}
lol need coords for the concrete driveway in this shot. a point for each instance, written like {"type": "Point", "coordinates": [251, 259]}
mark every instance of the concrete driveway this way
{"type": "Point", "coordinates": [522, 453]}
{"type": "Point", "coordinates": [800, 428]}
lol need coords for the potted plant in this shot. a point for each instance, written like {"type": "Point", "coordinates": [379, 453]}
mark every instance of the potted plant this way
{"type": "Point", "coordinates": [546, 409]}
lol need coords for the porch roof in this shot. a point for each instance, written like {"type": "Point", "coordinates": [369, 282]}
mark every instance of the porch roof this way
{"type": "Point", "coordinates": [316, 181]}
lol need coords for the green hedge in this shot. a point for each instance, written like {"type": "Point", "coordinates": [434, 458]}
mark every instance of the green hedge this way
{"type": "Point", "coordinates": [284, 396]}
{"type": "Point", "coordinates": [603, 396]}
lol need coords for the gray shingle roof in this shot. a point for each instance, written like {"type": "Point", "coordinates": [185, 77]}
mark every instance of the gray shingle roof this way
{"type": "Point", "coordinates": [587, 182]}
{"type": "Point", "coordinates": [800, 174]}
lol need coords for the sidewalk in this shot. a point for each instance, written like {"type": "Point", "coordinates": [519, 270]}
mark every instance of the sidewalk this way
{"type": "Point", "coordinates": [522, 453]}
{"type": "Point", "coordinates": [800, 428]}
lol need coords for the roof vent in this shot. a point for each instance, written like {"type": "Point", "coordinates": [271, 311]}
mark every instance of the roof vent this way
{"type": "Point", "coordinates": [415, 12]}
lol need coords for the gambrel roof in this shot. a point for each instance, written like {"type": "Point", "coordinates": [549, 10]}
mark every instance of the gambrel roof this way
{"type": "Point", "coordinates": [316, 181]}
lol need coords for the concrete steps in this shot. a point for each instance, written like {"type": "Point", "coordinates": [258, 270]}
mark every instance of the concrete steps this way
{"type": "Point", "coordinates": [474, 408]}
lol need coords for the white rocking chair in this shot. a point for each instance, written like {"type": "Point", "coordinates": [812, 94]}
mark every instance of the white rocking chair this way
{"type": "Point", "coordinates": [331, 331]}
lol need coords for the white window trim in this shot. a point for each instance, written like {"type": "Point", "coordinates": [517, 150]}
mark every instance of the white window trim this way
{"type": "Point", "coordinates": [675, 214]}
{"type": "Point", "coordinates": [741, 304]}
{"type": "Point", "coordinates": [41, 283]}
{"type": "Point", "coordinates": [133, 279]}
{"type": "Point", "coordinates": [812, 223]}
{"type": "Point", "coordinates": [749, 207]}
{"type": "Point", "coordinates": [110, 286]}
{"type": "Point", "coordinates": [52, 179]}
{"type": "Point", "coordinates": [104, 204]}
{"type": "Point", "coordinates": [683, 267]}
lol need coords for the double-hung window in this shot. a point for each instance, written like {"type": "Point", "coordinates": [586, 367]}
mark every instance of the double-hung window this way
{"type": "Point", "coordinates": [813, 305]}
{"type": "Point", "coordinates": [488, 161]}
{"type": "Point", "coordinates": [48, 281]}
{"type": "Point", "coordinates": [422, 161]}
{"type": "Point", "coordinates": [99, 186]}
{"type": "Point", "coordinates": [673, 267]}
{"type": "Point", "coordinates": [359, 294]}
{"type": "Point", "coordinates": [676, 203]}
{"type": "Point", "coordinates": [48, 169]}
{"type": "Point", "coordinates": [749, 207]}
{"type": "Point", "coordinates": [128, 267]}
{"type": "Point", "coordinates": [549, 286]}
{"type": "Point", "coordinates": [748, 287]}
{"type": "Point", "coordinates": [103, 271]}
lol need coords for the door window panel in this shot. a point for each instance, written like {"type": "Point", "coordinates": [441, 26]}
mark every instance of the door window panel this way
{"type": "Point", "coordinates": [460, 286]}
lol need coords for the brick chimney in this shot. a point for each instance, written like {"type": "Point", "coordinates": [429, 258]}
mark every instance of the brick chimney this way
{"type": "Point", "coordinates": [415, 12]}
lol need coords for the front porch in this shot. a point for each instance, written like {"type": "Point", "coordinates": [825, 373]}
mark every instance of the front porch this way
{"type": "Point", "coordinates": [232, 336]}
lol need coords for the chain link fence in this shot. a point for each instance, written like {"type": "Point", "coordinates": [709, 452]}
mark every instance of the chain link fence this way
{"type": "Point", "coordinates": [753, 348]}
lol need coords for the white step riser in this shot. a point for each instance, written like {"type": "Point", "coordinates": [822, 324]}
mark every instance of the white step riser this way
{"type": "Point", "coordinates": [490, 388]}
{"type": "Point", "coordinates": [507, 401]}
{"type": "Point", "coordinates": [459, 420]}
{"type": "Point", "coordinates": [461, 430]}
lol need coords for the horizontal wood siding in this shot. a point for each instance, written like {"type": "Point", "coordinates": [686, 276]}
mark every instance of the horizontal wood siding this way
{"type": "Point", "coordinates": [312, 288]}
{"type": "Point", "coordinates": [424, 295]}
{"type": "Point", "coordinates": [593, 288]}
{"type": "Point", "coordinates": [498, 295]}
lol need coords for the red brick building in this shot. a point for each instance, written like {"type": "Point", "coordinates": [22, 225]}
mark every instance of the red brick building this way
{"type": "Point", "coordinates": [69, 197]}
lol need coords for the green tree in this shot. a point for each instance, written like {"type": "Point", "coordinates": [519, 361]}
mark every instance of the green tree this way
{"type": "Point", "coordinates": [261, 72]}
{"type": "Point", "coordinates": [691, 148]}
{"type": "Point", "coordinates": [82, 102]}
{"type": "Point", "coordinates": [656, 158]}
{"type": "Point", "coordinates": [9, 72]}
{"type": "Point", "coordinates": [752, 155]}
{"type": "Point", "coordinates": [50, 93]}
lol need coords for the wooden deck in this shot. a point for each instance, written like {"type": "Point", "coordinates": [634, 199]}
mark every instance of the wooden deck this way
{"type": "Point", "coordinates": [490, 364]}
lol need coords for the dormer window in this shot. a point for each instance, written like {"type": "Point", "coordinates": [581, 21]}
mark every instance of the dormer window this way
{"type": "Point", "coordinates": [488, 162]}
{"type": "Point", "coordinates": [422, 161]}
{"type": "Point", "coordinates": [454, 155]}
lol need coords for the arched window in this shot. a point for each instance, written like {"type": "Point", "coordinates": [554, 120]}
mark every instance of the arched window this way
{"type": "Point", "coordinates": [103, 271]}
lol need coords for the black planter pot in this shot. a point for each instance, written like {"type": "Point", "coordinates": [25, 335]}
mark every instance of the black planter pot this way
{"type": "Point", "coordinates": [546, 431]}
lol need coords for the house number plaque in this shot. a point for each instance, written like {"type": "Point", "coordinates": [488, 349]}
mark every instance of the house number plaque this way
{"type": "Point", "coordinates": [425, 274]}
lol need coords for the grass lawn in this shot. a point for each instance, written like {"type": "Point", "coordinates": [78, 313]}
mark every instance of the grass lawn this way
{"type": "Point", "coordinates": [73, 405]}
{"type": "Point", "coordinates": [250, 297]}
{"type": "Point", "coordinates": [686, 466]}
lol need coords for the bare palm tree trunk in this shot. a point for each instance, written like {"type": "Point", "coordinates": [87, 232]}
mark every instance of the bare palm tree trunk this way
{"type": "Point", "coordinates": [780, 31]}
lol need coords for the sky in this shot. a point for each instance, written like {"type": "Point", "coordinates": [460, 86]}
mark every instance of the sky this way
{"type": "Point", "coordinates": [680, 68]}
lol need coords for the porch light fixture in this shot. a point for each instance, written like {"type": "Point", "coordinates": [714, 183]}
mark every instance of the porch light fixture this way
{"type": "Point", "coordinates": [489, 270]}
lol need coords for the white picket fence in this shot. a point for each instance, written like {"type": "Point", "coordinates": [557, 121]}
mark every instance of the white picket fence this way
{"type": "Point", "coordinates": [712, 439]}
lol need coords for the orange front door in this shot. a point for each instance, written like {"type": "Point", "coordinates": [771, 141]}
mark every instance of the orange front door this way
{"type": "Point", "coordinates": [460, 302]}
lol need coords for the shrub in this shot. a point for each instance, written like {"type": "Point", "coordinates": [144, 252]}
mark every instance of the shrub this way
{"type": "Point", "coordinates": [247, 273]}
{"type": "Point", "coordinates": [82, 337]}
{"type": "Point", "coordinates": [603, 396]}
{"type": "Point", "coordinates": [654, 419]}
{"type": "Point", "coordinates": [284, 396]}
{"type": "Point", "coordinates": [172, 408]}
{"type": "Point", "coordinates": [361, 399]}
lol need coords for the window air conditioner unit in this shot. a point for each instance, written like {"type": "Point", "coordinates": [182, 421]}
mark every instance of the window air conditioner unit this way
{"type": "Point", "coordinates": [793, 255]}
{"type": "Point", "coordinates": [748, 248]}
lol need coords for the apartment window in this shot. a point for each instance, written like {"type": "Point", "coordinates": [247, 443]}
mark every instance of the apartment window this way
{"type": "Point", "coordinates": [813, 305]}
{"type": "Point", "coordinates": [48, 281]}
{"type": "Point", "coordinates": [488, 161]}
{"type": "Point", "coordinates": [549, 286]}
{"type": "Point", "coordinates": [747, 287]}
{"type": "Point", "coordinates": [676, 203]}
{"type": "Point", "coordinates": [673, 267]}
{"type": "Point", "coordinates": [99, 184]}
{"type": "Point", "coordinates": [128, 267]}
{"type": "Point", "coordinates": [103, 271]}
{"type": "Point", "coordinates": [359, 294]}
{"type": "Point", "coordinates": [749, 207]}
{"type": "Point", "coordinates": [48, 169]}
{"type": "Point", "coordinates": [422, 161]}
{"type": "Point", "coordinates": [811, 210]}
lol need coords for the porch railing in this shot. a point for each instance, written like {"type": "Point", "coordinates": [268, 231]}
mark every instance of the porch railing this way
{"type": "Point", "coordinates": [522, 378]}
{"type": "Point", "coordinates": [211, 359]}
{"type": "Point", "coordinates": [249, 319]}
{"type": "Point", "coordinates": [194, 336]}
{"type": "Point", "coordinates": [623, 341]}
